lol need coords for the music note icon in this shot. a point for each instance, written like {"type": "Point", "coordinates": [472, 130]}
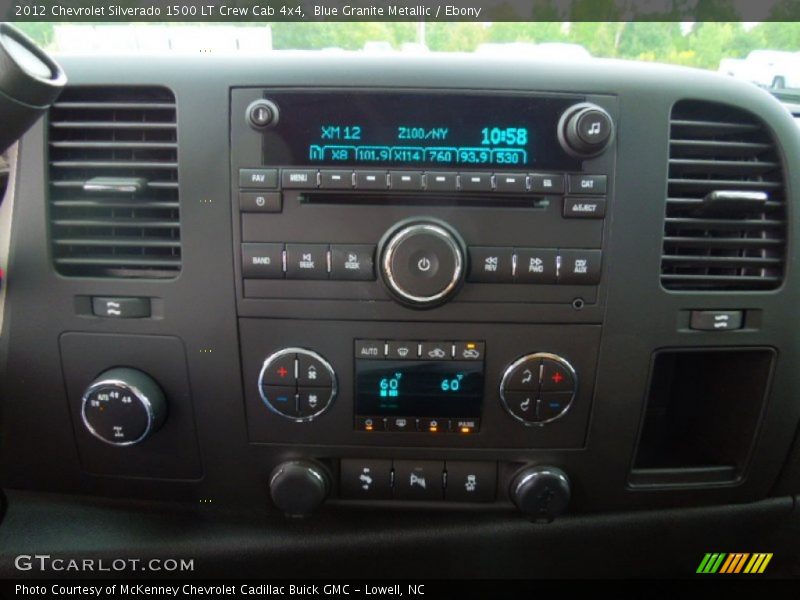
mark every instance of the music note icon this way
{"type": "Point", "coordinates": [594, 129]}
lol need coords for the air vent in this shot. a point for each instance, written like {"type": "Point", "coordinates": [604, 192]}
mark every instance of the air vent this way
{"type": "Point", "coordinates": [725, 223]}
{"type": "Point", "coordinates": [114, 209]}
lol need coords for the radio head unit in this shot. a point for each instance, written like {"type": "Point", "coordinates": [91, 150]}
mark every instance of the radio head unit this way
{"type": "Point", "coordinates": [413, 129]}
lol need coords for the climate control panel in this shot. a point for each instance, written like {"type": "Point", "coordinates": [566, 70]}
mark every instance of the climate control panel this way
{"type": "Point", "coordinates": [297, 384]}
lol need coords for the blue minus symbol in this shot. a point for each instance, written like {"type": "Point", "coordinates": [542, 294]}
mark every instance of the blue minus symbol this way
{"type": "Point", "coordinates": [555, 405]}
{"type": "Point", "coordinates": [282, 398]}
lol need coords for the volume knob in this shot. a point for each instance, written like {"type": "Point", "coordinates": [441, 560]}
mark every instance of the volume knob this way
{"type": "Point", "coordinates": [422, 263]}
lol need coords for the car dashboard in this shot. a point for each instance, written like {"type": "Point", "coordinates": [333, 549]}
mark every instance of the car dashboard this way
{"type": "Point", "coordinates": [431, 299]}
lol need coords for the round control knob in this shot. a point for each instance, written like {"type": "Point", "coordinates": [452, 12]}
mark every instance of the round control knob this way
{"type": "Point", "coordinates": [298, 487]}
{"type": "Point", "coordinates": [298, 384]}
{"type": "Point", "coordinates": [123, 407]}
{"type": "Point", "coordinates": [422, 263]}
{"type": "Point", "coordinates": [262, 114]}
{"type": "Point", "coordinates": [541, 492]}
{"type": "Point", "coordinates": [585, 130]}
{"type": "Point", "coordinates": [538, 388]}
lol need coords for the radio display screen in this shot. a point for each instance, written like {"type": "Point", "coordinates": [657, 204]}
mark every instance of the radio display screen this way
{"type": "Point", "coordinates": [419, 388]}
{"type": "Point", "coordinates": [414, 129]}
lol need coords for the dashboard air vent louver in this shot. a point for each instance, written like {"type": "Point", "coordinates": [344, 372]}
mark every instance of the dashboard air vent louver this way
{"type": "Point", "coordinates": [725, 225]}
{"type": "Point", "coordinates": [114, 209]}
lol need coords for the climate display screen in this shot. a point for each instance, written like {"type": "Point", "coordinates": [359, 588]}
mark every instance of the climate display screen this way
{"type": "Point", "coordinates": [419, 388]}
{"type": "Point", "coordinates": [416, 130]}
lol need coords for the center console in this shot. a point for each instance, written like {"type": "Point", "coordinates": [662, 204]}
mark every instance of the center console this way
{"type": "Point", "coordinates": [441, 225]}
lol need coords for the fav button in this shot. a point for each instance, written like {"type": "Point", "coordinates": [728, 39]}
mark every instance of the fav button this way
{"type": "Point", "coordinates": [258, 178]}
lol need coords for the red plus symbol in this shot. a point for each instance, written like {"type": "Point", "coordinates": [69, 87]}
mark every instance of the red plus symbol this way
{"type": "Point", "coordinates": [282, 372]}
{"type": "Point", "coordinates": [557, 377]}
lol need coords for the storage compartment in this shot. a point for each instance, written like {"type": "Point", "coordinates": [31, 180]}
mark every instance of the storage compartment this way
{"type": "Point", "coordinates": [702, 415]}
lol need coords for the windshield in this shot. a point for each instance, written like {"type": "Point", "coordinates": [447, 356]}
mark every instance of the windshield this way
{"type": "Point", "coordinates": [765, 54]}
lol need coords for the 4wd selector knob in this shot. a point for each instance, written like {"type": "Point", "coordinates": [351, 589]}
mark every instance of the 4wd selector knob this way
{"type": "Point", "coordinates": [123, 407]}
{"type": "Point", "coordinates": [422, 263]}
{"type": "Point", "coordinates": [585, 130]}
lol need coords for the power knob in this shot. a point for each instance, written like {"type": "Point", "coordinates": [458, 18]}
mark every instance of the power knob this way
{"type": "Point", "coordinates": [543, 493]}
{"type": "Point", "coordinates": [262, 114]}
{"type": "Point", "coordinates": [298, 487]}
{"type": "Point", "coordinates": [585, 130]}
{"type": "Point", "coordinates": [422, 263]}
{"type": "Point", "coordinates": [123, 407]}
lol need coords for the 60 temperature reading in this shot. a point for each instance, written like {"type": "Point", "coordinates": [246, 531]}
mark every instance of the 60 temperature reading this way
{"type": "Point", "coordinates": [390, 386]}
{"type": "Point", "coordinates": [452, 385]}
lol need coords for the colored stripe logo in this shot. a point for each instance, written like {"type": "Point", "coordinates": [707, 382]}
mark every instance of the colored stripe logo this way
{"type": "Point", "coordinates": [734, 563]}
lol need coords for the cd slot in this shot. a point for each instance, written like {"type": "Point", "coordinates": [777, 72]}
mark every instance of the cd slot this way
{"type": "Point", "coordinates": [355, 198]}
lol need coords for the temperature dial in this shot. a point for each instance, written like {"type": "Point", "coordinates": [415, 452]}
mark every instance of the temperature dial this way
{"type": "Point", "coordinates": [123, 407]}
{"type": "Point", "coordinates": [538, 388]}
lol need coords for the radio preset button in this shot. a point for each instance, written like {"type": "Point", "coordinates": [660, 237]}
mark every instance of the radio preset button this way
{"type": "Point", "coordinates": [535, 265]}
{"type": "Point", "coordinates": [366, 479]}
{"type": "Point", "coordinates": [436, 351]}
{"type": "Point", "coordinates": [264, 261]}
{"type": "Point", "coordinates": [476, 182]}
{"type": "Point", "coordinates": [440, 181]}
{"type": "Point", "coordinates": [585, 208]}
{"type": "Point", "coordinates": [490, 264]}
{"type": "Point", "coordinates": [543, 183]}
{"type": "Point", "coordinates": [419, 480]}
{"type": "Point", "coordinates": [299, 178]}
{"type": "Point", "coordinates": [402, 350]}
{"type": "Point", "coordinates": [258, 178]}
{"type": "Point", "coordinates": [511, 182]}
{"type": "Point", "coordinates": [580, 267]}
{"type": "Point", "coordinates": [306, 261]}
{"type": "Point", "coordinates": [587, 184]}
{"type": "Point", "coordinates": [335, 180]}
{"type": "Point", "coordinates": [352, 262]}
{"type": "Point", "coordinates": [369, 349]}
{"type": "Point", "coordinates": [371, 180]}
{"type": "Point", "coordinates": [406, 180]}
{"type": "Point", "coordinates": [470, 481]}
